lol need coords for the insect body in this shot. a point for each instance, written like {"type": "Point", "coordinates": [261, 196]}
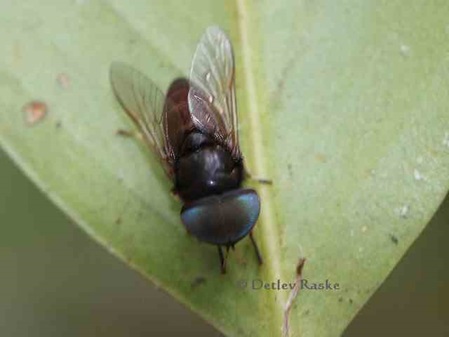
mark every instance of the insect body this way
{"type": "Point", "coordinates": [194, 133]}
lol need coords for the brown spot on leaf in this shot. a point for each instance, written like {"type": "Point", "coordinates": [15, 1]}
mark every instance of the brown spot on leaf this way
{"type": "Point", "coordinates": [63, 80]}
{"type": "Point", "coordinates": [199, 280]}
{"type": "Point", "coordinates": [394, 239]}
{"type": "Point", "coordinates": [34, 112]}
{"type": "Point", "coordinates": [320, 157]}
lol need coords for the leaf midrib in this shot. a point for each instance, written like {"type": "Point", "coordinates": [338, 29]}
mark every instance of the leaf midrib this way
{"type": "Point", "coordinates": [268, 227]}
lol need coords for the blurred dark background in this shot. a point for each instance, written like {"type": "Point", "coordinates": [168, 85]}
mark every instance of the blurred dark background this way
{"type": "Point", "coordinates": [55, 281]}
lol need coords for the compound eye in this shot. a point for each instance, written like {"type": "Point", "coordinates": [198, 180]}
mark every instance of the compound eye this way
{"type": "Point", "coordinates": [222, 219]}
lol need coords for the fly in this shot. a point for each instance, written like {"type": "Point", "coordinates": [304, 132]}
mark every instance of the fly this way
{"type": "Point", "coordinates": [193, 130]}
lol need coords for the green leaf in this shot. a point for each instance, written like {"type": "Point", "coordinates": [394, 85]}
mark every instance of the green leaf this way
{"type": "Point", "coordinates": [343, 105]}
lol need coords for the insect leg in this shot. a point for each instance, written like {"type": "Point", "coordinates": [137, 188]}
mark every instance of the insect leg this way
{"type": "Point", "coordinates": [222, 260]}
{"type": "Point", "coordinates": [257, 179]}
{"type": "Point", "coordinates": [130, 134]}
{"type": "Point", "coordinates": [256, 249]}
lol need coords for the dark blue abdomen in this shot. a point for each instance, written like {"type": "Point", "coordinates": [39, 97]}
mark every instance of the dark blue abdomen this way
{"type": "Point", "coordinates": [224, 219]}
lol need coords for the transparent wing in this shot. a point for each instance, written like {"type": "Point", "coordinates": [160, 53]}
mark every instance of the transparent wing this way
{"type": "Point", "coordinates": [144, 103]}
{"type": "Point", "coordinates": [212, 93]}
